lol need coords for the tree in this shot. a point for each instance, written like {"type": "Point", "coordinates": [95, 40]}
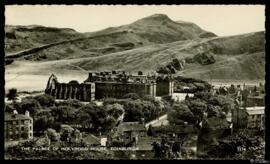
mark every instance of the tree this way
{"type": "Point", "coordinates": [52, 134]}
{"type": "Point", "coordinates": [71, 103]}
{"type": "Point", "coordinates": [239, 118]}
{"type": "Point", "coordinates": [133, 111]}
{"type": "Point", "coordinates": [197, 107]}
{"type": "Point", "coordinates": [9, 108]}
{"type": "Point", "coordinates": [65, 132]}
{"type": "Point", "coordinates": [45, 100]}
{"type": "Point", "coordinates": [150, 131]}
{"type": "Point", "coordinates": [180, 113]}
{"type": "Point", "coordinates": [64, 114]}
{"type": "Point", "coordinates": [203, 95]}
{"type": "Point", "coordinates": [99, 118]}
{"type": "Point", "coordinates": [44, 120]}
{"type": "Point", "coordinates": [12, 94]}
{"type": "Point", "coordinates": [29, 104]}
{"type": "Point", "coordinates": [115, 110]}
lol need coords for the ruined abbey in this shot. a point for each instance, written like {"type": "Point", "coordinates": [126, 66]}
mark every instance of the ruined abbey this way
{"type": "Point", "coordinates": [113, 84]}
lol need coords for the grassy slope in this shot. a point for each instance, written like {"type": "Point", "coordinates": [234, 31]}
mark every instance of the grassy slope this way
{"type": "Point", "coordinates": [24, 37]}
{"type": "Point", "coordinates": [241, 63]}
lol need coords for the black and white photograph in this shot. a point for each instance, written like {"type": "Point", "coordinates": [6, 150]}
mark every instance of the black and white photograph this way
{"type": "Point", "coordinates": [134, 82]}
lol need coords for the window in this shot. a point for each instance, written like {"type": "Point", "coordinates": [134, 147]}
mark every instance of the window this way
{"type": "Point", "coordinates": [22, 128]}
{"type": "Point", "coordinates": [30, 127]}
{"type": "Point", "coordinates": [22, 121]}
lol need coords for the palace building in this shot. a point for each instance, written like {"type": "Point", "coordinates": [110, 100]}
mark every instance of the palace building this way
{"type": "Point", "coordinates": [113, 84]}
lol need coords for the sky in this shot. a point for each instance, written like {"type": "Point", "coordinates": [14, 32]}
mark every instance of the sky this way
{"type": "Point", "coordinates": [223, 20]}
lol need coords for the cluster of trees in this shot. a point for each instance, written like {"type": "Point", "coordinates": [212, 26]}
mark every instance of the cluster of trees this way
{"type": "Point", "coordinates": [89, 117]}
{"type": "Point", "coordinates": [137, 107]}
{"type": "Point", "coordinates": [193, 109]}
{"type": "Point", "coordinates": [166, 149]}
{"type": "Point", "coordinates": [236, 146]}
{"type": "Point", "coordinates": [48, 113]}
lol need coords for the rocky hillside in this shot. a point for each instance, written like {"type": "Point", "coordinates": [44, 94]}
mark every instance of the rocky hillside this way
{"type": "Point", "coordinates": [149, 44]}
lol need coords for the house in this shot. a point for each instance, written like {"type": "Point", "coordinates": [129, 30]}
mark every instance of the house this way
{"type": "Point", "coordinates": [91, 140]}
{"type": "Point", "coordinates": [256, 118]}
{"type": "Point", "coordinates": [127, 133]}
{"type": "Point", "coordinates": [18, 126]}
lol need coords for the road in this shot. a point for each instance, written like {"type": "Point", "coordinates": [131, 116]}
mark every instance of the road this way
{"type": "Point", "coordinates": [162, 120]}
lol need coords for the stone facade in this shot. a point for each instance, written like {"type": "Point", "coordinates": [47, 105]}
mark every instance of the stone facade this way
{"type": "Point", "coordinates": [165, 86]}
{"type": "Point", "coordinates": [71, 90]}
{"type": "Point", "coordinates": [114, 84]}
{"type": "Point", "coordinates": [18, 127]}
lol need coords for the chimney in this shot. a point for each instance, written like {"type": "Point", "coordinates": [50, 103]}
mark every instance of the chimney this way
{"type": "Point", "coordinates": [15, 112]}
{"type": "Point", "coordinates": [90, 75]}
{"type": "Point", "coordinates": [140, 73]}
{"type": "Point", "coordinates": [142, 121]}
{"type": "Point", "coordinates": [27, 113]}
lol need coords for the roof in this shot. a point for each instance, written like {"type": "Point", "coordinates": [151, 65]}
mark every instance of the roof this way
{"type": "Point", "coordinates": [10, 117]}
{"type": "Point", "coordinates": [255, 110]}
{"type": "Point", "coordinates": [256, 97]}
{"type": "Point", "coordinates": [130, 126]}
{"type": "Point", "coordinates": [91, 139]}
{"type": "Point", "coordinates": [175, 128]}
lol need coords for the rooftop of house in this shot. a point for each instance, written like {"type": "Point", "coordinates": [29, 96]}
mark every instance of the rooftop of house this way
{"type": "Point", "coordinates": [130, 126]}
{"type": "Point", "coordinates": [255, 110]}
{"type": "Point", "coordinates": [261, 96]}
{"type": "Point", "coordinates": [11, 117]}
{"type": "Point", "coordinates": [122, 76]}
{"type": "Point", "coordinates": [90, 139]}
{"type": "Point", "coordinates": [175, 129]}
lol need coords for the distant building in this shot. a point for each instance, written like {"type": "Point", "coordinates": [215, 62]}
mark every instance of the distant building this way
{"type": "Point", "coordinates": [114, 84]}
{"type": "Point", "coordinates": [18, 126]}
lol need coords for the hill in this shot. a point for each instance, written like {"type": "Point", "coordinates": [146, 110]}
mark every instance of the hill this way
{"type": "Point", "coordinates": [148, 44]}
{"type": "Point", "coordinates": [155, 29]}
{"type": "Point", "coordinates": [26, 37]}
